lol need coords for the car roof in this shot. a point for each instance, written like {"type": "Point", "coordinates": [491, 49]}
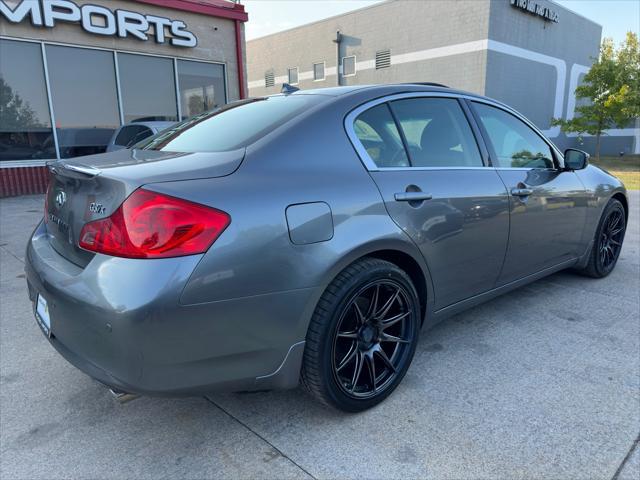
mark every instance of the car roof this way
{"type": "Point", "coordinates": [383, 89]}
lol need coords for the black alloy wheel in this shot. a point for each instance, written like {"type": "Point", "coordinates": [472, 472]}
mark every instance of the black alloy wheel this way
{"type": "Point", "coordinates": [362, 336]}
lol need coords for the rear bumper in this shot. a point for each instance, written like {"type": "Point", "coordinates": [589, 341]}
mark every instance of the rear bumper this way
{"type": "Point", "coordinates": [121, 322]}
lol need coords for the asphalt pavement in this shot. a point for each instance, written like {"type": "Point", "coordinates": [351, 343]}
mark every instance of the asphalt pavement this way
{"type": "Point", "coordinates": [543, 382]}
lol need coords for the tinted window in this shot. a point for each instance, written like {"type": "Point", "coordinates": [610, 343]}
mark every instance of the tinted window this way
{"type": "Point", "coordinates": [233, 126]}
{"type": "Point", "coordinates": [148, 87]}
{"type": "Point", "coordinates": [83, 91]}
{"type": "Point", "coordinates": [514, 142]}
{"type": "Point", "coordinates": [349, 66]}
{"type": "Point", "coordinates": [25, 123]}
{"type": "Point", "coordinates": [201, 87]}
{"type": "Point", "coordinates": [376, 130]}
{"type": "Point", "coordinates": [131, 133]}
{"type": "Point", "coordinates": [437, 133]}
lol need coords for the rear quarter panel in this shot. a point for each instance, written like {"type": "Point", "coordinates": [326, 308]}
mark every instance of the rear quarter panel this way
{"type": "Point", "coordinates": [310, 161]}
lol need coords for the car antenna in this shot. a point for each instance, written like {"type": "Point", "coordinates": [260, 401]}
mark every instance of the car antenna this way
{"type": "Point", "coordinates": [287, 89]}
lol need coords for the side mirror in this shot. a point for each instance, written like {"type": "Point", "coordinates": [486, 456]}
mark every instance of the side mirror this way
{"type": "Point", "coordinates": [575, 159]}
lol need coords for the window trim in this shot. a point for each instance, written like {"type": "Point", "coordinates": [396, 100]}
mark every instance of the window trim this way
{"type": "Point", "coordinates": [324, 71]}
{"type": "Point", "coordinates": [297, 69]}
{"type": "Point", "coordinates": [370, 165]}
{"type": "Point", "coordinates": [355, 66]}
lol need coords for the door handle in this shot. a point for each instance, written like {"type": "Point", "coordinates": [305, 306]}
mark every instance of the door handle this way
{"type": "Point", "coordinates": [521, 192]}
{"type": "Point", "coordinates": [412, 196]}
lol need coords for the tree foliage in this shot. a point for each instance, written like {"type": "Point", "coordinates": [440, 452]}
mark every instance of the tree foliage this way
{"type": "Point", "coordinates": [15, 113]}
{"type": "Point", "coordinates": [612, 90]}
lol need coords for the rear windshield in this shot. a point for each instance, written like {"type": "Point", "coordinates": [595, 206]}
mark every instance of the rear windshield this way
{"type": "Point", "coordinates": [233, 126]}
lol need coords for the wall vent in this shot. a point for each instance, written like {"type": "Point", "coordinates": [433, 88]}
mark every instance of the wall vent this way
{"type": "Point", "coordinates": [383, 59]}
{"type": "Point", "coordinates": [269, 79]}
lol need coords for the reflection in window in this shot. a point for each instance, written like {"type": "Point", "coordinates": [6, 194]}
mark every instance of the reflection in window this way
{"type": "Point", "coordinates": [201, 87]}
{"type": "Point", "coordinates": [376, 130]}
{"type": "Point", "coordinates": [25, 122]}
{"type": "Point", "coordinates": [148, 88]}
{"type": "Point", "coordinates": [437, 133]}
{"type": "Point", "coordinates": [83, 91]}
{"type": "Point", "coordinates": [516, 145]}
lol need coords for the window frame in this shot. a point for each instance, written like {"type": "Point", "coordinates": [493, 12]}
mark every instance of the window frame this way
{"type": "Point", "coordinates": [464, 100]}
{"type": "Point", "coordinates": [297, 69]}
{"type": "Point", "coordinates": [557, 157]}
{"type": "Point", "coordinates": [324, 71]}
{"type": "Point", "coordinates": [355, 66]}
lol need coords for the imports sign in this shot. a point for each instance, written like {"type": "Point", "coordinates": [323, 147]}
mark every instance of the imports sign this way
{"type": "Point", "coordinates": [99, 20]}
{"type": "Point", "coordinates": [536, 9]}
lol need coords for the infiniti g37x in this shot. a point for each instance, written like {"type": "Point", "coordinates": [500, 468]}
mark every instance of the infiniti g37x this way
{"type": "Point", "coordinates": [307, 236]}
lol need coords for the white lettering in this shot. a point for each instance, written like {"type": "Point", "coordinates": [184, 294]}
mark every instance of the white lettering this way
{"type": "Point", "coordinates": [158, 24]}
{"type": "Point", "coordinates": [64, 10]}
{"type": "Point", "coordinates": [91, 11]}
{"type": "Point", "coordinates": [178, 29]}
{"type": "Point", "coordinates": [23, 9]}
{"type": "Point", "coordinates": [133, 23]}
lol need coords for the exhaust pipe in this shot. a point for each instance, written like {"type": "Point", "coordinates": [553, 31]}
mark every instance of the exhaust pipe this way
{"type": "Point", "coordinates": [123, 397]}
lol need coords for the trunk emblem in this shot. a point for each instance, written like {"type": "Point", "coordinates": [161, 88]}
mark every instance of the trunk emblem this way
{"type": "Point", "coordinates": [96, 208]}
{"type": "Point", "coordinates": [61, 198]}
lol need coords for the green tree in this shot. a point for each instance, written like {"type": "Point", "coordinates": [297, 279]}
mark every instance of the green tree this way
{"type": "Point", "coordinates": [612, 90]}
{"type": "Point", "coordinates": [15, 113]}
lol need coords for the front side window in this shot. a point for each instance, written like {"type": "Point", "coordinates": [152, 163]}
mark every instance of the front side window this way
{"type": "Point", "coordinates": [83, 92]}
{"type": "Point", "coordinates": [437, 133]}
{"type": "Point", "coordinates": [25, 121]}
{"type": "Point", "coordinates": [516, 145]}
{"type": "Point", "coordinates": [318, 71]}
{"type": "Point", "coordinates": [377, 132]}
{"type": "Point", "coordinates": [233, 126]}
{"type": "Point", "coordinates": [293, 76]}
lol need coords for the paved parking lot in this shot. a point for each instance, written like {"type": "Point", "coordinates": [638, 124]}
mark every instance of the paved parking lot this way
{"type": "Point", "coordinates": [541, 383]}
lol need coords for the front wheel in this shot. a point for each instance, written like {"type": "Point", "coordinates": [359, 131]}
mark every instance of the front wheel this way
{"type": "Point", "coordinates": [362, 336]}
{"type": "Point", "coordinates": [607, 242]}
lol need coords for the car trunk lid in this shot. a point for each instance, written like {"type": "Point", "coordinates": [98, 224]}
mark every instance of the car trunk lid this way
{"type": "Point", "coordinates": [89, 188]}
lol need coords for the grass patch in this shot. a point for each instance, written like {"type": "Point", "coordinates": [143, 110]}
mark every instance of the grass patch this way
{"type": "Point", "coordinates": [626, 168]}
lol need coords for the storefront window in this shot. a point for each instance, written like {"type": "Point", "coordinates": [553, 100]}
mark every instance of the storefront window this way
{"type": "Point", "coordinates": [85, 102]}
{"type": "Point", "coordinates": [25, 121]}
{"type": "Point", "coordinates": [148, 88]}
{"type": "Point", "coordinates": [201, 87]}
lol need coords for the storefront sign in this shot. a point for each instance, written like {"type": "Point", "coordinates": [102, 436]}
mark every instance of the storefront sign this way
{"type": "Point", "coordinates": [99, 20]}
{"type": "Point", "coordinates": [536, 9]}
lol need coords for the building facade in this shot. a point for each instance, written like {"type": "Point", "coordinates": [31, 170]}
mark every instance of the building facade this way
{"type": "Point", "coordinates": [73, 71]}
{"type": "Point", "coordinates": [530, 54]}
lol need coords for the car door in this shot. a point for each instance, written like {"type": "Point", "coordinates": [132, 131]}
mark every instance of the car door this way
{"type": "Point", "coordinates": [429, 167]}
{"type": "Point", "coordinates": [548, 204]}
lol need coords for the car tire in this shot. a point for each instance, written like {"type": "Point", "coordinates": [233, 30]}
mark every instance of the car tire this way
{"type": "Point", "coordinates": [362, 336]}
{"type": "Point", "coordinates": [607, 241]}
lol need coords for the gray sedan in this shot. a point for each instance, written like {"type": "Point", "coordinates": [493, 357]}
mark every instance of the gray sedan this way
{"type": "Point", "coordinates": [308, 236]}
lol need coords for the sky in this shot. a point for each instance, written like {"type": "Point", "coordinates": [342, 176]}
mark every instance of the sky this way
{"type": "Point", "coordinates": [270, 16]}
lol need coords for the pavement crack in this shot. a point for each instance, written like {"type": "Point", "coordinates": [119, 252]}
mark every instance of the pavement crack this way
{"type": "Point", "coordinates": [12, 254]}
{"type": "Point", "coordinates": [634, 445]}
{"type": "Point", "coordinates": [284, 455]}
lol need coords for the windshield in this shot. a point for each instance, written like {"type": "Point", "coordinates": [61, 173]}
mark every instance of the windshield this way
{"type": "Point", "coordinates": [231, 127]}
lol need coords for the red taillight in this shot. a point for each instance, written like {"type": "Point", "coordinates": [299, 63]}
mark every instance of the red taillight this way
{"type": "Point", "coordinates": [153, 225]}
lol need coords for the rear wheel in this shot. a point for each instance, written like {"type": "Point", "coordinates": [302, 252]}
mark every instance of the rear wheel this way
{"type": "Point", "coordinates": [607, 243]}
{"type": "Point", "coordinates": [362, 336]}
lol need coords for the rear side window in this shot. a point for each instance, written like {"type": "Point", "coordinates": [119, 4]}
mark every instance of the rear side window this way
{"type": "Point", "coordinates": [234, 126]}
{"type": "Point", "coordinates": [516, 145]}
{"type": "Point", "coordinates": [378, 134]}
{"type": "Point", "coordinates": [437, 133]}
